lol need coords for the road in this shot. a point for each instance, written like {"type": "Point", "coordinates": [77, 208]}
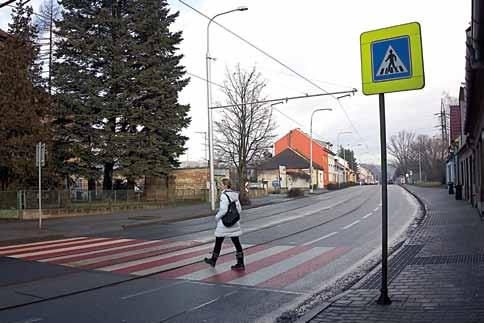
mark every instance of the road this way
{"type": "Point", "coordinates": [155, 274]}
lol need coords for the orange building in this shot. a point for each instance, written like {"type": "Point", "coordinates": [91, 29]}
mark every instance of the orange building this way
{"type": "Point", "coordinates": [300, 142]}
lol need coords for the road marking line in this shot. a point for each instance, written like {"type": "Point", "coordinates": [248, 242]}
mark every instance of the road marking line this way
{"type": "Point", "coordinates": [368, 215]}
{"type": "Point", "coordinates": [319, 239]}
{"type": "Point", "coordinates": [24, 250]}
{"type": "Point", "coordinates": [41, 243]}
{"type": "Point", "coordinates": [224, 269]}
{"type": "Point", "coordinates": [148, 291]}
{"type": "Point", "coordinates": [31, 320]}
{"type": "Point", "coordinates": [380, 204]}
{"type": "Point", "coordinates": [350, 225]}
{"type": "Point", "coordinates": [43, 253]}
{"type": "Point", "coordinates": [279, 291]}
{"type": "Point", "coordinates": [376, 209]}
{"type": "Point", "coordinates": [92, 254]}
{"type": "Point", "coordinates": [212, 301]}
{"type": "Point", "coordinates": [195, 267]}
{"type": "Point", "coordinates": [254, 276]}
{"type": "Point", "coordinates": [296, 273]}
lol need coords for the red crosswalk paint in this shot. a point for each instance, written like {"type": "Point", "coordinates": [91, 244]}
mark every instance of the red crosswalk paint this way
{"type": "Point", "coordinates": [82, 249]}
{"type": "Point", "coordinates": [229, 275]}
{"type": "Point", "coordinates": [39, 244]}
{"type": "Point", "coordinates": [50, 246]}
{"type": "Point", "coordinates": [303, 269]}
{"type": "Point", "coordinates": [116, 261]}
{"type": "Point", "coordinates": [82, 256]}
{"type": "Point", "coordinates": [200, 266]}
{"type": "Point", "coordinates": [165, 261]}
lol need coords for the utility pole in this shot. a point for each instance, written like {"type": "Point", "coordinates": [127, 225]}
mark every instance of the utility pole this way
{"type": "Point", "coordinates": [40, 162]}
{"type": "Point", "coordinates": [420, 164]}
{"type": "Point", "coordinates": [205, 143]}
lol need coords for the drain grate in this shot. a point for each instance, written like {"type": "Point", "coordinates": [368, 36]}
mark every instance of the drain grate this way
{"type": "Point", "coordinates": [395, 265]}
{"type": "Point", "coordinates": [456, 259]}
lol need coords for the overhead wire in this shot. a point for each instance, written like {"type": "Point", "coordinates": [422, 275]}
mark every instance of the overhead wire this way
{"type": "Point", "coordinates": [272, 107]}
{"type": "Point", "coordinates": [277, 61]}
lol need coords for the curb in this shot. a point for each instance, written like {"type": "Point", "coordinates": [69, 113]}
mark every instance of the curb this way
{"type": "Point", "coordinates": [325, 305]}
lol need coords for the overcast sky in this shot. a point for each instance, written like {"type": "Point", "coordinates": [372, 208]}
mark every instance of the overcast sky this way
{"type": "Point", "coordinates": [320, 40]}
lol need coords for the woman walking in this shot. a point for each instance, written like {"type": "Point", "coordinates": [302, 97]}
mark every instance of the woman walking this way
{"type": "Point", "coordinates": [227, 196]}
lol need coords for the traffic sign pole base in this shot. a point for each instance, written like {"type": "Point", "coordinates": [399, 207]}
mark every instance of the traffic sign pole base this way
{"type": "Point", "coordinates": [384, 299]}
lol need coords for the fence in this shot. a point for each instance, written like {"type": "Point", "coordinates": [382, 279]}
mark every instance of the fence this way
{"type": "Point", "coordinates": [15, 204]}
{"type": "Point", "coordinates": [24, 204]}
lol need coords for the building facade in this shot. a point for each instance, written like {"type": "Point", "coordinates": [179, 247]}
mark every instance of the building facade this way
{"type": "Point", "coordinates": [469, 151]}
{"type": "Point", "coordinates": [287, 170]}
{"type": "Point", "coordinates": [300, 142]}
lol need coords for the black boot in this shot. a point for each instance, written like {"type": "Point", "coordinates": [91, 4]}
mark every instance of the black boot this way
{"type": "Point", "coordinates": [240, 261]}
{"type": "Point", "coordinates": [211, 261]}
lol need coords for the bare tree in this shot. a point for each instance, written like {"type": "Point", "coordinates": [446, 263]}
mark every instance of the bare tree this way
{"type": "Point", "coordinates": [431, 158]}
{"type": "Point", "coordinates": [50, 12]}
{"type": "Point", "coordinates": [409, 150]}
{"type": "Point", "coordinates": [401, 149]}
{"type": "Point", "coordinates": [245, 131]}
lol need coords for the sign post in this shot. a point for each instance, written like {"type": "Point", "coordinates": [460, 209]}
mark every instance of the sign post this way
{"type": "Point", "coordinates": [40, 162]}
{"type": "Point", "coordinates": [391, 61]}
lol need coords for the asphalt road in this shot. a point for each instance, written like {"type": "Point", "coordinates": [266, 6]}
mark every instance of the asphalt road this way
{"type": "Point", "coordinates": [154, 273]}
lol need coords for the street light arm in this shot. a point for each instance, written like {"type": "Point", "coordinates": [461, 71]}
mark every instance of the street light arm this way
{"type": "Point", "coordinates": [311, 147]}
{"type": "Point", "coordinates": [217, 15]}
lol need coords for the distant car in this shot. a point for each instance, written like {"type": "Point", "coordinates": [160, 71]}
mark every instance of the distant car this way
{"type": "Point", "coordinates": [390, 181]}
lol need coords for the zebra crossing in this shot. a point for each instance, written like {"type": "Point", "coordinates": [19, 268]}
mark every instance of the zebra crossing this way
{"type": "Point", "coordinates": [267, 265]}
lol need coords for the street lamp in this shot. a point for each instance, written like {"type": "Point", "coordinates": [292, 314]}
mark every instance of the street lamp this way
{"type": "Point", "coordinates": [311, 148]}
{"type": "Point", "coordinates": [337, 147]}
{"type": "Point", "coordinates": [209, 111]}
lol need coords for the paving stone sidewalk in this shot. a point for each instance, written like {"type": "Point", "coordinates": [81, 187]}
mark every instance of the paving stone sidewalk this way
{"type": "Point", "coordinates": [437, 276]}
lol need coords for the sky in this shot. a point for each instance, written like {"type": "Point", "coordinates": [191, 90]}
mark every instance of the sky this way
{"type": "Point", "coordinates": [320, 40]}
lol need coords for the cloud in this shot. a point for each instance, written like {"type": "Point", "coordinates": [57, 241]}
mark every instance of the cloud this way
{"type": "Point", "coordinates": [320, 39]}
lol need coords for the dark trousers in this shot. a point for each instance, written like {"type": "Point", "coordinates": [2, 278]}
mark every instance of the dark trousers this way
{"type": "Point", "coordinates": [218, 244]}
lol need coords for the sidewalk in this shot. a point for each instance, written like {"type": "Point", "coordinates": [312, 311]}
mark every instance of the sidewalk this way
{"type": "Point", "coordinates": [437, 276]}
{"type": "Point", "coordinates": [12, 232]}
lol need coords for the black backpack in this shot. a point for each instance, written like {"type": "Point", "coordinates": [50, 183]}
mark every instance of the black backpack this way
{"type": "Point", "coordinates": [232, 216]}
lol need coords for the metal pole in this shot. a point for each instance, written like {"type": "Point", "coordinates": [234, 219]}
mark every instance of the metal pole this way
{"type": "Point", "coordinates": [210, 130]}
{"type": "Point", "coordinates": [311, 147]}
{"type": "Point", "coordinates": [344, 169]}
{"type": "Point", "coordinates": [39, 152]}
{"type": "Point", "coordinates": [384, 299]}
{"type": "Point", "coordinates": [209, 110]}
{"type": "Point", "coordinates": [311, 153]}
{"type": "Point", "coordinates": [419, 165]}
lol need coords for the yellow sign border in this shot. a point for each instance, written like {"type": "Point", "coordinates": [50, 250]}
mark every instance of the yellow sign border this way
{"type": "Point", "coordinates": [415, 82]}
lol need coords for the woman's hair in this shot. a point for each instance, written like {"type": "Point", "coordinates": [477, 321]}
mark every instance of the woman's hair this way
{"type": "Point", "coordinates": [227, 183]}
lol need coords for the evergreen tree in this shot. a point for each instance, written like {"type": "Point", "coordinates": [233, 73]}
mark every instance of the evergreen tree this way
{"type": "Point", "coordinates": [154, 123]}
{"type": "Point", "coordinates": [85, 76]}
{"type": "Point", "coordinates": [24, 105]}
{"type": "Point", "coordinates": [118, 78]}
{"type": "Point", "coordinates": [349, 156]}
{"type": "Point", "coordinates": [26, 32]}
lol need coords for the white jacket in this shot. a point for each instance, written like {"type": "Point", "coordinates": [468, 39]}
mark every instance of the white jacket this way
{"type": "Point", "coordinates": [222, 230]}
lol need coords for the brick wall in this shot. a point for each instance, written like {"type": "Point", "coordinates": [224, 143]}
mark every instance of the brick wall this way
{"type": "Point", "coordinates": [190, 178]}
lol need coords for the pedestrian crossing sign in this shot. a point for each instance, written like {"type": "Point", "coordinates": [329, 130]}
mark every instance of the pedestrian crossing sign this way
{"type": "Point", "coordinates": [392, 60]}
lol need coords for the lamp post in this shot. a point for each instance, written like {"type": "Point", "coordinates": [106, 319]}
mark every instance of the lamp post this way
{"type": "Point", "coordinates": [337, 147]}
{"type": "Point", "coordinates": [209, 111]}
{"type": "Point", "coordinates": [311, 149]}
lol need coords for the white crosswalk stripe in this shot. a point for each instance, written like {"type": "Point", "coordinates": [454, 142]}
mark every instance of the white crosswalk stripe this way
{"type": "Point", "coordinates": [182, 259]}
